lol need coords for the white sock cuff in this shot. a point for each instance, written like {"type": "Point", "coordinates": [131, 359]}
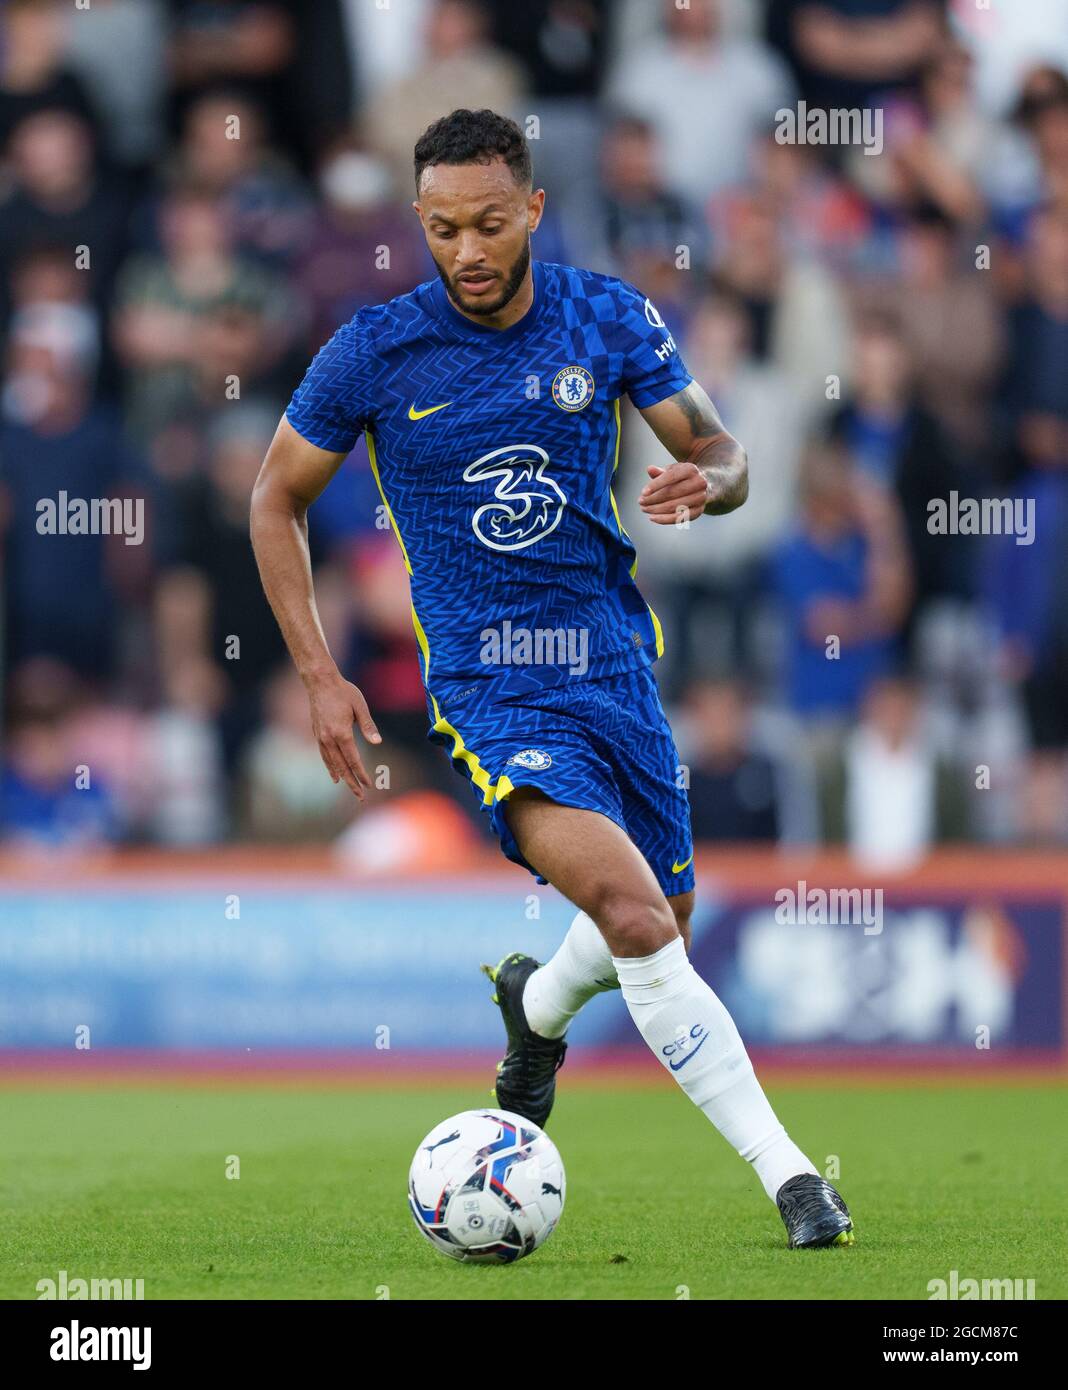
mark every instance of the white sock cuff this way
{"type": "Point", "coordinates": [590, 952]}
{"type": "Point", "coordinates": [644, 979]}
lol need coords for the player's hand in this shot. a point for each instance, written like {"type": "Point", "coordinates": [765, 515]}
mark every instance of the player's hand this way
{"type": "Point", "coordinates": [336, 705]}
{"type": "Point", "coordinates": [678, 492]}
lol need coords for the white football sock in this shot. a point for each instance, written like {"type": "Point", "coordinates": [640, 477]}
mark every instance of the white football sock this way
{"type": "Point", "coordinates": [694, 1036]}
{"type": "Point", "coordinates": [581, 968]}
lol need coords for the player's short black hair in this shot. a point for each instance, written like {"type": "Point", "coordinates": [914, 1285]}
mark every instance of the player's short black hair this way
{"type": "Point", "coordinates": [474, 137]}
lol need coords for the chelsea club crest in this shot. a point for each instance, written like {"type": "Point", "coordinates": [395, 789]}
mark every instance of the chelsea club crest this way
{"type": "Point", "coordinates": [533, 759]}
{"type": "Point", "coordinates": [572, 388]}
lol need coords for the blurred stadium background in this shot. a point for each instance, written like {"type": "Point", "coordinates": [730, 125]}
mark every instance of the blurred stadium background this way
{"type": "Point", "coordinates": [878, 329]}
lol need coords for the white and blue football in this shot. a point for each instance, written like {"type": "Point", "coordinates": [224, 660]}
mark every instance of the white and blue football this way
{"type": "Point", "coordinates": [486, 1186]}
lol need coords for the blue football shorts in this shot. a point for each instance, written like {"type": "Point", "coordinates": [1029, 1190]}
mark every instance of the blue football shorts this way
{"type": "Point", "coordinates": [601, 745]}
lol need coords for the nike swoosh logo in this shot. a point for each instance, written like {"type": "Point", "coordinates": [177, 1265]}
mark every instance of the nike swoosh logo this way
{"type": "Point", "coordinates": [694, 1053]}
{"type": "Point", "coordinates": [414, 414]}
{"type": "Point", "coordinates": [677, 868]}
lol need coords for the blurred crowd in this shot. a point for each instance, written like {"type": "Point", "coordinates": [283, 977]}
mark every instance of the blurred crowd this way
{"type": "Point", "coordinates": [194, 194]}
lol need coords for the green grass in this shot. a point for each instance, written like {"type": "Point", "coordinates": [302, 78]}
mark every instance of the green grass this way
{"type": "Point", "coordinates": [131, 1183]}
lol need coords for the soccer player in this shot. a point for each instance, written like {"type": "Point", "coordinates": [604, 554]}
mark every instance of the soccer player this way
{"type": "Point", "coordinates": [490, 400]}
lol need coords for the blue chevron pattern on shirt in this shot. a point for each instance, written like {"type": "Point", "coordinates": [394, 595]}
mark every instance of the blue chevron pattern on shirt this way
{"type": "Point", "coordinates": [494, 451]}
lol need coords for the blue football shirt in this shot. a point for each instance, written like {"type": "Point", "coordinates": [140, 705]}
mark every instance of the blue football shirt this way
{"type": "Point", "coordinates": [494, 451]}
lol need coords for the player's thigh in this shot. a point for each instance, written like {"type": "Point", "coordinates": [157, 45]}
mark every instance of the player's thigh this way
{"type": "Point", "coordinates": [593, 862]}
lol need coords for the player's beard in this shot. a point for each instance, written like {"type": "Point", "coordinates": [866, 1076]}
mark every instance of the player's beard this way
{"type": "Point", "coordinates": [510, 289]}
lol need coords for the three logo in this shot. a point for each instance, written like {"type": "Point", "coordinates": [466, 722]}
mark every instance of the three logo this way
{"type": "Point", "coordinates": [527, 505]}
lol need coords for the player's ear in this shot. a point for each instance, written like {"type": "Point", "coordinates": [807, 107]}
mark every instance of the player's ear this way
{"type": "Point", "coordinates": [535, 208]}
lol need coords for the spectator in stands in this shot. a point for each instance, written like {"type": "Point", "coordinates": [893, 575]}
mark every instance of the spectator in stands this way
{"type": "Point", "coordinates": [1010, 40]}
{"type": "Point", "coordinates": [562, 47]}
{"type": "Point", "coordinates": [1035, 392]}
{"type": "Point", "coordinates": [53, 792]}
{"type": "Point", "coordinates": [382, 54]}
{"type": "Point", "coordinates": [961, 135]}
{"type": "Point", "coordinates": [710, 597]}
{"type": "Point", "coordinates": [1047, 122]}
{"type": "Point", "coordinates": [382, 649]}
{"type": "Point", "coordinates": [48, 275]}
{"type": "Point", "coordinates": [1027, 590]}
{"type": "Point", "coordinates": [844, 585]}
{"type": "Point", "coordinates": [461, 68]}
{"type": "Point", "coordinates": [888, 794]}
{"type": "Point", "coordinates": [283, 796]}
{"type": "Point", "coordinates": [363, 247]}
{"type": "Point", "coordinates": [67, 590]}
{"type": "Point", "coordinates": [1051, 142]}
{"type": "Point", "coordinates": [212, 613]}
{"type": "Point", "coordinates": [823, 214]}
{"type": "Point", "coordinates": [950, 324]}
{"type": "Point", "coordinates": [1027, 585]}
{"type": "Point", "coordinates": [633, 225]}
{"type": "Point", "coordinates": [183, 798]}
{"type": "Point", "coordinates": [245, 45]}
{"type": "Point", "coordinates": [798, 313]}
{"type": "Point", "coordinates": [734, 789]}
{"type": "Point", "coordinates": [847, 53]}
{"type": "Point", "coordinates": [223, 151]}
{"type": "Point", "coordinates": [33, 74]}
{"type": "Point", "coordinates": [198, 321]}
{"type": "Point", "coordinates": [118, 49]}
{"type": "Point", "coordinates": [936, 143]}
{"type": "Point", "coordinates": [39, 801]}
{"type": "Point", "coordinates": [1026, 170]}
{"type": "Point", "coordinates": [59, 200]}
{"type": "Point", "coordinates": [709, 97]}
{"type": "Point", "coordinates": [896, 442]}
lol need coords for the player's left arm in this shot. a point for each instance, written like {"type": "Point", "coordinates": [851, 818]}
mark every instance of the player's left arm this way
{"type": "Point", "coordinates": [711, 472]}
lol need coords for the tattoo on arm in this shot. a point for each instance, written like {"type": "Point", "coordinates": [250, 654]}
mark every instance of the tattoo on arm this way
{"type": "Point", "coordinates": [689, 427]}
{"type": "Point", "coordinates": [701, 415]}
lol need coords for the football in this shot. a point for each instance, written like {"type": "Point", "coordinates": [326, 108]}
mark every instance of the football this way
{"type": "Point", "coordinates": [486, 1187]}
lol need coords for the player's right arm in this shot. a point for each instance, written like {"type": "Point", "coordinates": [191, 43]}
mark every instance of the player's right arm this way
{"type": "Point", "coordinates": [293, 475]}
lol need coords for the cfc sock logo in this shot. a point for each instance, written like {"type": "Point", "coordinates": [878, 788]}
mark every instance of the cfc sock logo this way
{"type": "Point", "coordinates": [687, 1044]}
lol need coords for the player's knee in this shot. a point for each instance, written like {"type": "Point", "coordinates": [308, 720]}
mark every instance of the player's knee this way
{"type": "Point", "coordinates": [633, 925]}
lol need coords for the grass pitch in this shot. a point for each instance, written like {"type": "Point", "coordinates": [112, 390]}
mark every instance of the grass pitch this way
{"type": "Point", "coordinates": [131, 1183]}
